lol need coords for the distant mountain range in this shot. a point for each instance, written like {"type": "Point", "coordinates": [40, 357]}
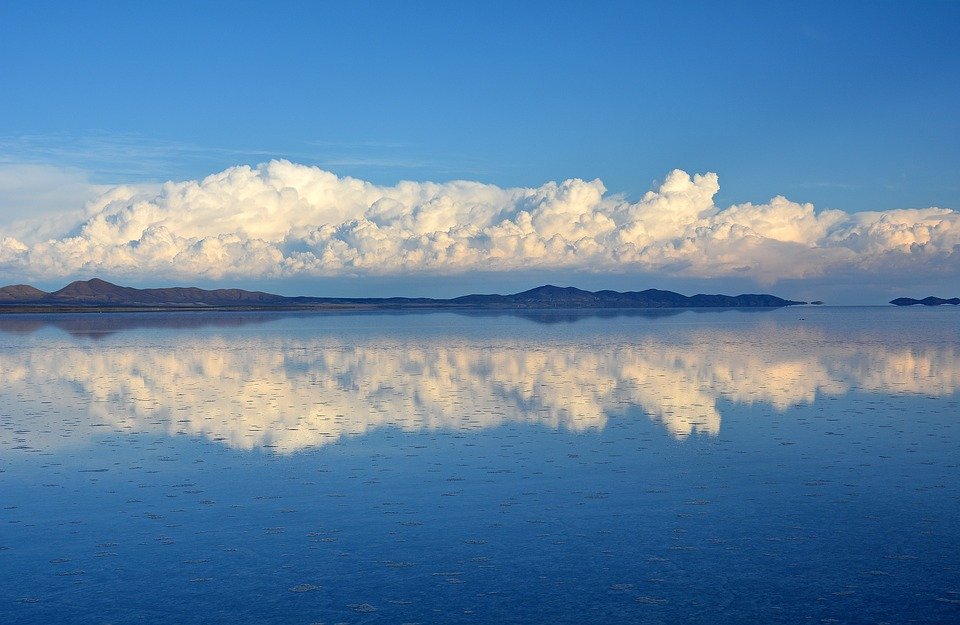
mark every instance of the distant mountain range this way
{"type": "Point", "coordinates": [927, 301]}
{"type": "Point", "coordinates": [96, 293]}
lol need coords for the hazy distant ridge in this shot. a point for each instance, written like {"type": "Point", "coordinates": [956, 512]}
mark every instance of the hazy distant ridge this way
{"type": "Point", "coordinates": [100, 293]}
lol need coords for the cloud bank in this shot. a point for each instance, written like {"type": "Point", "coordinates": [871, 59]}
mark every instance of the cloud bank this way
{"type": "Point", "coordinates": [281, 219]}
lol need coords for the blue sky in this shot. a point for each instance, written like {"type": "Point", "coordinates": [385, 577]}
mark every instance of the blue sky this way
{"type": "Point", "coordinates": [848, 106]}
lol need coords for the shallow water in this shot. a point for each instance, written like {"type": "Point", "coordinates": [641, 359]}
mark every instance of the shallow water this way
{"type": "Point", "coordinates": [797, 465]}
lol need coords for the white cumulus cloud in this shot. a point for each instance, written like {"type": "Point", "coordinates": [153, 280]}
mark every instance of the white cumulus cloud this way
{"type": "Point", "coordinates": [281, 219]}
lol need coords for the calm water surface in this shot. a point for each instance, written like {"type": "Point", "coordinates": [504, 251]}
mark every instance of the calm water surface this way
{"type": "Point", "coordinates": [788, 466]}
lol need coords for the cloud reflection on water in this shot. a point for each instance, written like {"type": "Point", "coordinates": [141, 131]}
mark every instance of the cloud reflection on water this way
{"type": "Point", "coordinates": [290, 393]}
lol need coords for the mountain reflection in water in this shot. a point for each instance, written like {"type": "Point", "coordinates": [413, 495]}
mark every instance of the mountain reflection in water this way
{"type": "Point", "coordinates": [102, 324]}
{"type": "Point", "coordinates": [289, 393]}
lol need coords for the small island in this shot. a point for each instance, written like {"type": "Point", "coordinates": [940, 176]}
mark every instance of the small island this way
{"type": "Point", "coordinates": [927, 301]}
{"type": "Point", "coordinates": [96, 294]}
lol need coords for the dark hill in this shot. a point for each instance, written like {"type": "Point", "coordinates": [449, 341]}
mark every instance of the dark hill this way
{"type": "Point", "coordinates": [927, 301]}
{"type": "Point", "coordinates": [98, 293]}
{"type": "Point", "coordinates": [550, 296]}
{"type": "Point", "coordinates": [20, 292]}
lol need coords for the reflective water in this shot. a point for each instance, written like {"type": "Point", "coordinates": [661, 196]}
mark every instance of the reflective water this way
{"type": "Point", "coordinates": [798, 465]}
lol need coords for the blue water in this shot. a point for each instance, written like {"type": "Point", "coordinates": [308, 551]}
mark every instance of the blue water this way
{"type": "Point", "coordinates": [789, 466]}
